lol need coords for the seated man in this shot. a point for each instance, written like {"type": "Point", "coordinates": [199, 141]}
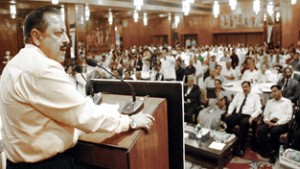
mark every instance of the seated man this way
{"type": "Point", "coordinates": [278, 112]}
{"type": "Point", "coordinates": [289, 84]}
{"type": "Point", "coordinates": [191, 99]}
{"type": "Point", "coordinates": [228, 72]}
{"type": "Point", "coordinates": [294, 130]}
{"type": "Point", "coordinates": [209, 82]}
{"type": "Point", "coordinates": [210, 117]}
{"type": "Point", "coordinates": [247, 107]}
{"type": "Point", "coordinates": [250, 74]}
{"type": "Point", "coordinates": [264, 75]}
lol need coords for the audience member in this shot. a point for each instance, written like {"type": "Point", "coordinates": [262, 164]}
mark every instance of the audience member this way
{"type": "Point", "coordinates": [234, 59]}
{"type": "Point", "coordinates": [116, 74]}
{"type": "Point", "coordinates": [191, 100]}
{"type": "Point", "coordinates": [251, 74]}
{"type": "Point", "coordinates": [289, 84]}
{"type": "Point", "coordinates": [156, 75]}
{"type": "Point", "coordinates": [264, 75]}
{"type": "Point", "coordinates": [167, 65]}
{"type": "Point", "coordinates": [138, 75]}
{"type": "Point", "coordinates": [228, 72]}
{"type": "Point", "coordinates": [242, 110]}
{"type": "Point", "coordinates": [277, 113]}
{"type": "Point", "coordinates": [189, 70]}
{"type": "Point", "coordinates": [225, 57]}
{"type": "Point", "coordinates": [199, 69]}
{"type": "Point", "coordinates": [217, 92]}
{"type": "Point", "coordinates": [295, 61]}
{"type": "Point", "coordinates": [218, 74]}
{"type": "Point", "coordinates": [209, 82]}
{"type": "Point", "coordinates": [210, 117]}
{"type": "Point", "coordinates": [179, 70]}
{"type": "Point", "coordinates": [127, 75]}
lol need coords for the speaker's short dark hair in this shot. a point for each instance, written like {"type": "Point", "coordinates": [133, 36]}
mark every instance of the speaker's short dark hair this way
{"type": "Point", "coordinates": [36, 20]}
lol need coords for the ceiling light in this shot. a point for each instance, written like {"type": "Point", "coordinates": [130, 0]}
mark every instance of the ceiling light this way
{"type": "Point", "coordinates": [135, 16]}
{"type": "Point", "coordinates": [138, 4]}
{"type": "Point", "coordinates": [55, 2]}
{"type": "Point", "coordinates": [277, 16]}
{"type": "Point", "coordinates": [81, 20]}
{"type": "Point", "coordinates": [293, 2]}
{"type": "Point", "coordinates": [145, 19]}
{"type": "Point", "coordinates": [110, 18]}
{"type": "Point", "coordinates": [256, 6]}
{"type": "Point", "coordinates": [265, 17]}
{"type": "Point", "coordinates": [176, 21]}
{"type": "Point", "coordinates": [186, 7]}
{"type": "Point", "coordinates": [161, 15]}
{"type": "Point", "coordinates": [216, 9]}
{"type": "Point", "coordinates": [87, 12]}
{"type": "Point", "coordinates": [232, 4]}
{"type": "Point", "coordinates": [270, 8]}
{"type": "Point", "coordinates": [169, 16]}
{"type": "Point", "coordinates": [13, 10]}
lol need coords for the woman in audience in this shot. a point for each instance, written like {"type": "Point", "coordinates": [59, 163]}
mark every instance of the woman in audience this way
{"type": "Point", "coordinates": [210, 117]}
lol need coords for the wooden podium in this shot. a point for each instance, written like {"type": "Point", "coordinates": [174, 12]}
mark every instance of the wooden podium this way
{"type": "Point", "coordinates": [133, 149]}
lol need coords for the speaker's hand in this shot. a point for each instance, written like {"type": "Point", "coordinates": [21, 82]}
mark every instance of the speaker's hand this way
{"type": "Point", "coordinates": [144, 121]}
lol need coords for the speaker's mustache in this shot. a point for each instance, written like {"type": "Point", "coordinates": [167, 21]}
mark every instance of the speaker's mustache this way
{"type": "Point", "coordinates": [64, 46]}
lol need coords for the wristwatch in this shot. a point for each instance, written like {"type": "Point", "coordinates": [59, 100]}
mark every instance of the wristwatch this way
{"type": "Point", "coordinates": [132, 124]}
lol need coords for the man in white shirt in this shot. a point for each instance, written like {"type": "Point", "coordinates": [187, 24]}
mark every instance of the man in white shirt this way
{"type": "Point", "coordinates": [219, 73]}
{"type": "Point", "coordinates": [228, 72]}
{"type": "Point", "coordinates": [277, 113]}
{"type": "Point", "coordinates": [209, 82]}
{"type": "Point", "coordinates": [41, 111]}
{"type": "Point", "coordinates": [242, 110]}
{"type": "Point", "coordinates": [250, 74]}
{"type": "Point", "coordinates": [167, 65]}
{"type": "Point", "coordinates": [264, 75]}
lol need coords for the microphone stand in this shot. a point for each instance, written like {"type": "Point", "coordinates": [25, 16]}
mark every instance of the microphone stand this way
{"type": "Point", "coordinates": [132, 106]}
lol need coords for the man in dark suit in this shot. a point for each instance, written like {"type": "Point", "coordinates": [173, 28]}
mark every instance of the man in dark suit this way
{"type": "Point", "coordinates": [191, 100]}
{"type": "Point", "coordinates": [288, 84]}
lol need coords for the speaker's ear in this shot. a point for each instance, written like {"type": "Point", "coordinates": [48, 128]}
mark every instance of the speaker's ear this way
{"type": "Point", "coordinates": [35, 36]}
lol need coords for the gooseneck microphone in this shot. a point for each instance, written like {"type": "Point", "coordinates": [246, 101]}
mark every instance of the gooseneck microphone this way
{"type": "Point", "coordinates": [132, 106]}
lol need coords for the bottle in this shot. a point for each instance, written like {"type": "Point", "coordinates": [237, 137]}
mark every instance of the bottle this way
{"type": "Point", "coordinates": [281, 150]}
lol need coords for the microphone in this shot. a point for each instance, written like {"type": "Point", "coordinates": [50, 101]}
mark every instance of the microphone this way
{"type": "Point", "coordinates": [132, 106]}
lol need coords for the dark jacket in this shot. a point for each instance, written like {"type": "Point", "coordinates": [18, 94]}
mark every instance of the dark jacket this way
{"type": "Point", "coordinates": [290, 91]}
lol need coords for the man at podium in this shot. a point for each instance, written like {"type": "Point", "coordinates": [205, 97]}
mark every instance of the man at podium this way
{"type": "Point", "coordinates": [41, 111]}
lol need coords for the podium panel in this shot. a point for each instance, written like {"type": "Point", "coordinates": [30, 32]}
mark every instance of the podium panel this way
{"type": "Point", "coordinates": [133, 149]}
{"type": "Point", "coordinates": [170, 90]}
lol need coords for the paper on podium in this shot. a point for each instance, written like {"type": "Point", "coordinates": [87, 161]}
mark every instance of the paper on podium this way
{"type": "Point", "coordinates": [216, 145]}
